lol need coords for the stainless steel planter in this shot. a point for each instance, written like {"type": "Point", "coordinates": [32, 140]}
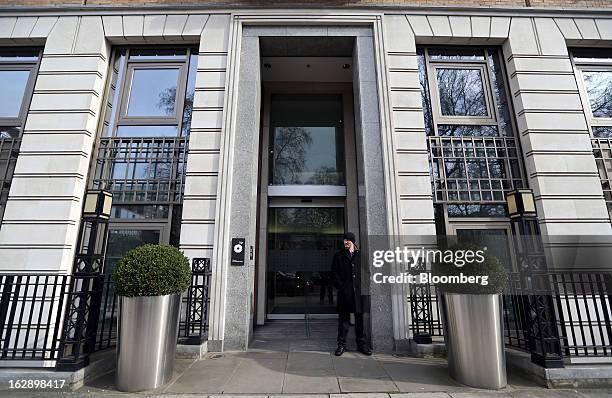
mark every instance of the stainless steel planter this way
{"type": "Point", "coordinates": [146, 341]}
{"type": "Point", "coordinates": [474, 335]}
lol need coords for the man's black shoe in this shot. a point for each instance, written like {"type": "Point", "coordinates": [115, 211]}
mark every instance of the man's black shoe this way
{"type": "Point", "coordinates": [340, 350]}
{"type": "Point", "coordinates": [365, 350]}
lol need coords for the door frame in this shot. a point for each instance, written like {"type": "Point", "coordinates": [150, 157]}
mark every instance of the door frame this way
{"type": "Point", "coordinates": [351, 213]}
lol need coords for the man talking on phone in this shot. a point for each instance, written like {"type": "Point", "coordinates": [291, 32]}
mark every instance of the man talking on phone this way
{"type": "Point", "coordinates": [346, 276]}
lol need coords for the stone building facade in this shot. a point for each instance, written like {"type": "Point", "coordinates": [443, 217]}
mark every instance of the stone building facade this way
{"type": "Point", "coordinates": [232, 61]}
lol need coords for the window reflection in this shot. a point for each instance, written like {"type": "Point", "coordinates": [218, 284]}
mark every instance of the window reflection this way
{"type": "Point", "coordinates": [461, 92]}
{"type": "Point", "coordinates": [146, 131]}
{"type": "Point", "coordinates": [13, 83]}
{"type": "Point", "coordinates": [307, 146]}
{"type": "Point", "coordinates": [468, 131]}
{"type": "Point", "coordinates": [599, 90]}
{"type": "Point", "coordinates": [153, 92]}
{"type": "Point", "coordinates": [120, 241]}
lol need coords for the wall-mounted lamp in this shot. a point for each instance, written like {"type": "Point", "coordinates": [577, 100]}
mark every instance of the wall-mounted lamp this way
{"type": "Point", "coordinates": [98, 204]}
{"type": "Point", "coordinates": [521, 203]}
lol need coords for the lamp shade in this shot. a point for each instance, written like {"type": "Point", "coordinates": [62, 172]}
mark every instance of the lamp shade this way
{"type": "Point", "coordinates": [520, 203]}
{"type": "Point", "coordinates": [98, 204]}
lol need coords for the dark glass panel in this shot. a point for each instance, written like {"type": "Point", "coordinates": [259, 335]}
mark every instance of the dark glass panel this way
{"type": "Point", "coordinates": [136, 212]}
{"type": "Point", "coordinates": [499, 90]}
{"type": "Point", "coordinates": [495, 240]}
{"type": "Point", "coordinates": [301, 244]}
{"type": "Point", "coordinates": [307, 145]}
{"type": "Point", "coordinates": [9, 132]}
{"type": "Point", "coordinates": [146, 131]}
{"type": "Point", "coordinates": [189, 94]}
{"type": "Point", "coordinates": [602, 132]}
{"type": "Point", "coordinates": [458, 54]}
{"type": "Point", "coordinates": [467, 131]}
{"type": "Point", "coordinates": [461, 92]}
{"type": "Point", "coordinates": [115, 90]}
{"type": "Point", "coordinates": [120, 241]}
{"type": "Point", "coordinates": [158, 54]}
{"type": "Point", "coordinates": [588, 55]}
{"type": "Point", "coordinates": [19, 55]}
{"type": "Point", "coordinates": [476, 210]}
{"type": "Point", "coordinates": [425, 97]}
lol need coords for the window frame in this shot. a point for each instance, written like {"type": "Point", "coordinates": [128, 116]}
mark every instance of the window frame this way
{"type": "Point", "coordinates": [590, 66]}
{"type": "Point", "coordinates": [432, 65]}
{"type": "Point", "coordinates": [123, 119]}
{"type": "Point", "coordinates": [115, 104]}
{"type": "Point", "coordinates": [453, 224]}
{"type": "Point", "coordinates": [507, 131]}
{"type": "Point", "coordinates": [32, 68]}
{"type": "Point", "coordinates": [120, 117]}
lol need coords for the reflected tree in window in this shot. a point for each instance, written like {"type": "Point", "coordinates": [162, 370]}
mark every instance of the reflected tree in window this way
{"type": "Point", "coordinates": [289, 157]}
{"type": "Point", "coordinates": [461, 92]}
{"type": "Point", "coordinates": [599, 90]}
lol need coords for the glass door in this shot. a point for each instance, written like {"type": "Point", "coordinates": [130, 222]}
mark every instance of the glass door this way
{"type": "Point", "coordinates": [308, 197]}
{"type": "Point", "coordinates": [301, 244]}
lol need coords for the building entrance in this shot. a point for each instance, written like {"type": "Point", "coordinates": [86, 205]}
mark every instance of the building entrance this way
{"type": "Point", "coordinates": [308, 197]}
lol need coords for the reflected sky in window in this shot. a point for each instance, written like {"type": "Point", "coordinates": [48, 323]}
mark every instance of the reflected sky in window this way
{"type": "Point", "coordinates": [13, 83]}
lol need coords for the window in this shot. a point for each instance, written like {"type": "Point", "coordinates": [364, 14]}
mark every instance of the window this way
{"type": "Point", "coordinates": [594, 75]}
{"type": "Point", "coordinates": [307, 140]}
{"type": "Point", "coordinates": [17, 75]}
{"type": "Point", "coordinates": [142, 151]}
{"type": "Point", "coordinates": [474, 153]}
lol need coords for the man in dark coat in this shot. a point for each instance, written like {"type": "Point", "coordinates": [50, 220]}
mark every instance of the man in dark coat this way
{"type": "Point", "coordinates": [346, 276]}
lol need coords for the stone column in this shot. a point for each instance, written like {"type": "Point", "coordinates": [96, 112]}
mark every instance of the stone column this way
{"type": "Point", "coordinates": [554, 135]}
{"type": "Point", "coordinates": [200, 218]}
{"type": "Point", "coordinates": [415, 198]}
{"type": "Point", "coordinates": [43, 212]}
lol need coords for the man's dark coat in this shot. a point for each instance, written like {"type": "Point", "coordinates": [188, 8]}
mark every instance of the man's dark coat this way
{"type": "Point", "coordinates": [346, 276]}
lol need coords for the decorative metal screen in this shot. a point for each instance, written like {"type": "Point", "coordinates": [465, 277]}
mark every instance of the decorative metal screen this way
{"type": "Point", "coordinates": [142, 170]}
{"type": "Point", "coordinates": [474, 155]}
{"type": "Point", "coordinates": [473, 169]}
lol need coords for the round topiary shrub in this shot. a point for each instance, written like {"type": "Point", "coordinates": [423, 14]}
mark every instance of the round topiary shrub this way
{"type": "Point", "coordinates": [491, 267]}
{"type": "Point", "coordinates": [152, 270]}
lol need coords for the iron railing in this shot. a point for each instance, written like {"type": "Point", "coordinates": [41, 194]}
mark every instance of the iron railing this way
{"type": "Point", "coordinates": [30, 315]}
{"type": "Point", "coordinates": [33, 314]}
{"type": "Point", "coordinates": [580, 301]}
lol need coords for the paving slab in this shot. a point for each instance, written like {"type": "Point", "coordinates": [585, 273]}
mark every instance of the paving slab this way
{"type": "Point", "coordinates": [205, 376]}
{"type": "Point", "coordinates": [421, 375]}
{"type": "Point", "coordinates": [264, 375]}
{"type": "Point", "coordinates": [298, 360]}
{"type": "Point", "coordinates": [360, 384]}
{"type": "Point", "coordinates": [306, 381]}
{"type": "Point", "coordinates": [358, 366]}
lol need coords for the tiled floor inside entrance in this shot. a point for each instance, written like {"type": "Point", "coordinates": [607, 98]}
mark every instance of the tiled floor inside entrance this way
{"type": "Point", "coordinates": [297, 358]}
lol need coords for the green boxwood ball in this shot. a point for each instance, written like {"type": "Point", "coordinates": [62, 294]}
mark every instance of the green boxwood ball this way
{"type": "Point", "coordinates": [152, 270]}
{"type": "Point", "coordinates": [491, 267]}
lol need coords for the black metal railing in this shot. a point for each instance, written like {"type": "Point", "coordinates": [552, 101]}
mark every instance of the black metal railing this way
{"type": "Point", "coordinates": [106, 334]}
{"type": "Point", "coordinates": [33, 317]}
{"type": "Point", "coordinates": [580, 303]}
{"type": "Point", "coordinates": [193, 326]}
{"type": "Point", "coordinates": [30, 315]}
